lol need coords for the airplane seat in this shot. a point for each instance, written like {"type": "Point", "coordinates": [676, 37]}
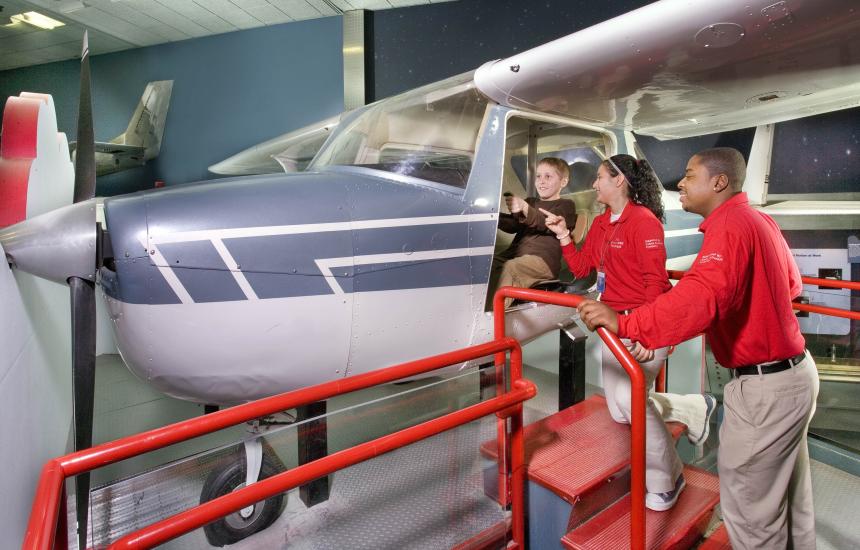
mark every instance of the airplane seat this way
{"type": "Point", "coordinates": [577, 232]}
{"type": "Point", "coordinates": [582, 176]}
{"type": "Point", "coordinates": [578, 189]}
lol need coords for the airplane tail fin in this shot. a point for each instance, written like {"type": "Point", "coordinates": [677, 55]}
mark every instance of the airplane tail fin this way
{"type": "Point", "coordinates": [147, 124]}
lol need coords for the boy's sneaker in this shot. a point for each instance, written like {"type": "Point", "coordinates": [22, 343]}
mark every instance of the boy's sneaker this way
{"type": "Point", "coordinates": [697, 435]}
{"type": "Point", "coordinates": [660, 502]}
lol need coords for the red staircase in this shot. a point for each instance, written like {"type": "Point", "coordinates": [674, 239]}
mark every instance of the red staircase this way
{"type": "Point", "coordinates": [582, 456]}
{"type": "Point", "coordinates": [678, 528]}
{"type": "Point", "coordinates": [719, 540]}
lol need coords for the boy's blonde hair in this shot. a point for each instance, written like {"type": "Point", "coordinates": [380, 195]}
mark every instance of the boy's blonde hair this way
{"type": "Point", "coordinates": [559, 164]}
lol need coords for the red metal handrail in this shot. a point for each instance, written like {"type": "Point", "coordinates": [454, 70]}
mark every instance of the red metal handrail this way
{"type": "Point", "coordinates": [46, 505]}
{"type": "Point", "coordinates": [638, 391]}
{"type": "Point", "coordinates": [812, 308]}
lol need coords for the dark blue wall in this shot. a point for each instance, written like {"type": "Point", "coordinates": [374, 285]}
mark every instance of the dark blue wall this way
{"type": "Point", "coordinates": [422, 44]}
{"type": "Point", "coordinates": [230, 91]}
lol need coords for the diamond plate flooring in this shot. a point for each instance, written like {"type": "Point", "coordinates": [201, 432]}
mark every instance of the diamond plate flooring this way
{"type": "Point", "coordinates": [428, 495]}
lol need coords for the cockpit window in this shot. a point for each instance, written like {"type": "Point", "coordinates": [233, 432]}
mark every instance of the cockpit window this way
{"type": "Point", "coordinates": [429, 133]}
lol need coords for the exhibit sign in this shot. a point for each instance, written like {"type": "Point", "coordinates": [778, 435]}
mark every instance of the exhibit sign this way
{"type": "Point", "coordinates": [824, 263]}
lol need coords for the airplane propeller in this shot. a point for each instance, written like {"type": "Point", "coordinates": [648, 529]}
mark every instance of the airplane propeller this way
{"type": "Point", "coordinates": [83, 300]}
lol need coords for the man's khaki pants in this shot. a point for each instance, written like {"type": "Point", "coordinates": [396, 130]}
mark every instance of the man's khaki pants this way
{"type": "Point", "coordinates": [765, 485]}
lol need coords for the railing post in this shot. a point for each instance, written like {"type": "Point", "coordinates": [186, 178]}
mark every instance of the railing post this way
{"type": "Point", "coordinates": [518, 467]}
{"type": "Point", "coordinates": [61, 538]}
{"type": "Point", "coordinates": [637, 437]}
{"type": "Point", "coordinates": [501, 423]}
{"type": "Point", "coordinates": [637, 388]}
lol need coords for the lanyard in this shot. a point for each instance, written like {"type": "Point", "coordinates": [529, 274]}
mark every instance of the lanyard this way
{"type": "Point", "coordinates": [606, 244]}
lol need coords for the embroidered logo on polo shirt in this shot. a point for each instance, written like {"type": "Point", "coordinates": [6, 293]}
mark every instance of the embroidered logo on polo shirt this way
{"type": "Point", "coordinates": [616, 244]}
{"type": "Point", "coordinates": [712, 257]}
{"type": "Point", "coordinates": [653, 243]}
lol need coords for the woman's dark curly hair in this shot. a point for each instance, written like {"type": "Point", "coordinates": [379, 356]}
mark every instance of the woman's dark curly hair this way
{"type": "Point", "coordinates": [643, 187]}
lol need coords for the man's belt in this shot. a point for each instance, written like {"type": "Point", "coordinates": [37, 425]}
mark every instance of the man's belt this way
{"type": "Point", "coordinates": [779, 366]}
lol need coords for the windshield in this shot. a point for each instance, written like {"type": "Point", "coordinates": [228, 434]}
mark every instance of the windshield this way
{"type": "Point", "coordinates": [427, 133]}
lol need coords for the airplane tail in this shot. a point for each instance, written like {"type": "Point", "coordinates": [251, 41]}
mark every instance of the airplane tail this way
{"type": "Point", "coordinates": [146, 126]}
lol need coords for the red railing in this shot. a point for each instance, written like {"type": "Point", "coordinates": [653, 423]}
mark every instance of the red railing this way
{"type": "Point", "coordinates": [812, 308]}
{"type": "Point", "coordinates": [637, 388]}
{"type": "Point", "coordinates": [49, 499]}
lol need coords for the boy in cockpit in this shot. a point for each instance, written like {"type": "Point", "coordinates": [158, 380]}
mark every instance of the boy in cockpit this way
{"type": "Point", "coordinates": [534, 255]}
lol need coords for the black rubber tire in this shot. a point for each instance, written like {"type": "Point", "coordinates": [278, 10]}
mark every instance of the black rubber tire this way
{"type": "Point", "coordinates": [226, 479]}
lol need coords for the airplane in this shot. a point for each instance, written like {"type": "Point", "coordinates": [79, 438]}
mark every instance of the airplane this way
{"type": "Point", "coordinates": [379, 252]}
{"type": "Point", "coordinates": [141, 141]}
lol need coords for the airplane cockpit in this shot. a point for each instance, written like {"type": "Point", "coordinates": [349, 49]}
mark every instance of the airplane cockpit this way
{"type": "Point", "coordinates": [428, 135]}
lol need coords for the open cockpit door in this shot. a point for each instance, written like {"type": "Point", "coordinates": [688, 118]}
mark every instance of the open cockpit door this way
{"type": "Point", "coordinates": [679, 68]}
{"type": "Point", "coordinates": [530, 138]}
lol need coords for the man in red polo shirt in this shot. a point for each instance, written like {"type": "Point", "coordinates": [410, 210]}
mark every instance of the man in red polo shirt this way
{"type": "Point", "coordinates": [739, 293]}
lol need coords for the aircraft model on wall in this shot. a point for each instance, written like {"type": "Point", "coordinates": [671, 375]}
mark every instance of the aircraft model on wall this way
{"type": "Point", "coordinates": [141, 141]}
{"type": "Point", "coordinates": [380, 251]}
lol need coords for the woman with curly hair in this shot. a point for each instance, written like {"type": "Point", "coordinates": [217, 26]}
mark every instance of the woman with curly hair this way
{"type": "Point", "coordinates": [625, 246]}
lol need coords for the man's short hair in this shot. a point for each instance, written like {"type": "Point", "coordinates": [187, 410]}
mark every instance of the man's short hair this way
{"type": "Point", "coordinates": [725, 160]}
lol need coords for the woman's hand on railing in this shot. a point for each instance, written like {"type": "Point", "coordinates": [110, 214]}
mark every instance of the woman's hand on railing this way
{"type": "Point", "coordinates": [596, 314]}
{"type": "Point", "coordinates": [640, 352]}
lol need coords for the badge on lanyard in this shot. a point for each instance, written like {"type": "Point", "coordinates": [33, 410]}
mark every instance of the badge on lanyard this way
{"type": "Point", "coordinates": [601, 282]}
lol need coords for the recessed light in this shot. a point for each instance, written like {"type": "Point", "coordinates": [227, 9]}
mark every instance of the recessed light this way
{"type": "Point", "coordinates": [37, 20]}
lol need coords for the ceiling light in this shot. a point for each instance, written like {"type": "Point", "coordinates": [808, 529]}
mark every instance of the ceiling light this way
{"type": "Point", "coordinates": [37, 20]}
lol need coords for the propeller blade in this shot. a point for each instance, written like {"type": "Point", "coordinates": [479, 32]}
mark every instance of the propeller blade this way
{"type": "Point", "coordinates": [83, 302]}
{"type": "Point", "coordinates": [85, 156]}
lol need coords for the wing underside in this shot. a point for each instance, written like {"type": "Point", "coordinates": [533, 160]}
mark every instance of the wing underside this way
{"type": "Point", "coordinates": [678, 68]}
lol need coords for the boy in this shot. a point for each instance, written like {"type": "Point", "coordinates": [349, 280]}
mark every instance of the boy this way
{"type": "Point", "coordinates": [534, 254]}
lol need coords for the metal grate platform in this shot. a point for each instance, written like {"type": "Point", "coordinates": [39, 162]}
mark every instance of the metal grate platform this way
{"type": "Point", "coordinates": [676, 528]}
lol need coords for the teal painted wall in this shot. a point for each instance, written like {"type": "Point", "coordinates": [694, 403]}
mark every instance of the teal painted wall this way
{"type": "Point", "coordinates": [230, 91]}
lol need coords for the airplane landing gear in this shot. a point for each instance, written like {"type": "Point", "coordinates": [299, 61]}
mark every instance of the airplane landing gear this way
{"type": "Point", "coordinates": [234, 475]}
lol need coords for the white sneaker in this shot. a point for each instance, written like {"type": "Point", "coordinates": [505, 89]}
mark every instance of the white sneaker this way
{"type": "Point", "coordinates": [697, 435]}
{"type": "Point", "coordinates": [660, 502]}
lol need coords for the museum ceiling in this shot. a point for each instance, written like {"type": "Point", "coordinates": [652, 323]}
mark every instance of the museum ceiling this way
{"type": "Point", "coordinates": [123, 24]}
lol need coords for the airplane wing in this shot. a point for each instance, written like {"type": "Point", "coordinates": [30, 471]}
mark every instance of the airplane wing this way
{"type": "Point", "coordinates": [131, 151]}
{"type": "Point", "coordinates": [290, 152]}
{"type": "Point", "coordinates": [679, 68]}
{"type": "Point", "coordinates": [819, 215]}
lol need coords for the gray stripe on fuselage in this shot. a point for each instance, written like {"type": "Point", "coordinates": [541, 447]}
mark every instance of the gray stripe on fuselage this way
{"type": "Point", "coordinates": [423, 237]}
{"type": "Point", "coordinates": [141, 283]}
{"type": "Point", "coordinates": [463, 270]}
{"type": "Point", "coordinates": [202, 272]}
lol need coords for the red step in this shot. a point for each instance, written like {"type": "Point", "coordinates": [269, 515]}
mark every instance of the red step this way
{"type": "Point", "coordinates": [677, 528]}
{"type": "Point", "coordinates": [578, 449]}
{"type": "Point", "coordinates": [719, 540]}
{"type": "Point", "coordinates": [492, 538]}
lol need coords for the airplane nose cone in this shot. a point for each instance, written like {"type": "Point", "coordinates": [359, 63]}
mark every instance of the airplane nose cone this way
{"type": "Point", "coordinates": [56, 245]}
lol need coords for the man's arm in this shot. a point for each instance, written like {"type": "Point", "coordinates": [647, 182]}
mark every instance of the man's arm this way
{"type": "Point", "coordinates": [712, 286]}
